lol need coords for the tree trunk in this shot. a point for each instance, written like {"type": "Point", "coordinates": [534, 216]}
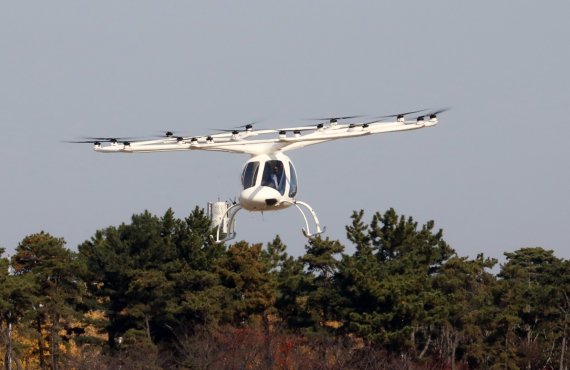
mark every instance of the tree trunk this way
{"type": "Point", "coordinates": [54, 341]}
{"type": "Point", "coordinates": [506, 348]}
{"type": "Point", "coordinates": [147, 325]}
{"type": "Point", "coordinates": [269, 362]}
{"type": "Point", "coordinates": [9, 350]}
{"type": "Point", "coordinates": [53, 354]}
{"type": "Point", "coordinates": [41, 344]}
{"type": "Point", "coordinates": [453, 350]}
{"type": "Point", "coordinates": [426, 346]}
{"type": "Point", "coordinates": [563, 346]}
{"type": "Point", "coordinates": [18, 363]}
{"type": "Point", "coordinates": [9, 358]}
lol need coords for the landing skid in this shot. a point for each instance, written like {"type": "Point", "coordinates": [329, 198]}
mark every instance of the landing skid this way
{"type": "Point", "coordinates": [231, 213]}
{"type": "Point", "coordinates": [307, 230]}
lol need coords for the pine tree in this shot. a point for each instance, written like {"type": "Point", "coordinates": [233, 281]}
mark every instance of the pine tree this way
{"type": "Point", "coordinates": [322, 299]}
{"type": "Point", "coordinates": [245, 273]}
{"type": "Point", "coordinates": [156, 276]}
{"type": "Point", "coordinates": [532, 303]}
{"type": "Point", "coordinates": [387, 284]}
{"type": "Point", "coordinates": [290, 282]}
{"type": "Point", "coordinates": [58, 289]}
{"type": "Point", "coordinates": [276, 254]}
{"type": "Point", "coordinates": [466, 309]}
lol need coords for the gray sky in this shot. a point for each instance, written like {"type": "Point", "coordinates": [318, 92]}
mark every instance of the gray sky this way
{"type": "Point", "coordinates": [493, 174]}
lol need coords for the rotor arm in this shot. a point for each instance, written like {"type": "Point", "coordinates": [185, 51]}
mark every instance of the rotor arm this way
{"type": "Point", "coordinates": [256, 142]}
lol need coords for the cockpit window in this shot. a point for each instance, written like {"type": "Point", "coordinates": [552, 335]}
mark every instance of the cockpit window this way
{"type": "Point", "coordinates": [249, 174]}
{"type": "Point", "coordinates": [274, 176]}
{"type": "Point", "coordinates": [292, 181]}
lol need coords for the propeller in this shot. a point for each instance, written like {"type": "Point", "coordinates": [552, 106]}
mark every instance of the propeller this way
{"type": "Point", "coordinates": [96, 142]}
{"type": "Point", "coordinates": [334, 119]}
{"type": "Point", "coordinates": [99, 140]}
{"type": "Point", "coordinates": [167, 133]}
{"type": "Point", "coordinates": [400, 115]}
{"type": "Point", "coordinates": [237, 129]}
{"type": "Point", "coordinates": [434, 114]}
{"type": "Point", "coordinates": [363, 125]}
{"type": "Point", "coordinates": [172, 135]}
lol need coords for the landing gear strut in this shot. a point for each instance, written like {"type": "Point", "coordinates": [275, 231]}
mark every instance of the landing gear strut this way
{"type": "Point", "coordinates": [229, 219]}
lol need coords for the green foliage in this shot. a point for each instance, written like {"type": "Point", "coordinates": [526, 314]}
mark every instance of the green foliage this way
{"type": "Point", "coordinates": [275, 254]}
{"type": "Point", "coordinates": [50, 289]}
{"type": "Point", "coordinates": [532, 301]}
{"type": "Point", "coordinates": [387, 283]}
{"type": "Point", "coordinates": [320, 259]}
{"type": "Point", "coordinates": [293, 285]}
{"type": "Point", "coordinates": [466, 288]}
{"type": "Point", "coordinates": [155, 274]}
{"type": "Point", "coordinates": [245, 274]}
{"type": "Point", "coordinates": [170, 297]}
{"type": "Point", "coordinates": [321, 294]}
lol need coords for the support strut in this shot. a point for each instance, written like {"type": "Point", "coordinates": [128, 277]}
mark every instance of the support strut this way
{"type": "Point", "coordinates": [307, 230]}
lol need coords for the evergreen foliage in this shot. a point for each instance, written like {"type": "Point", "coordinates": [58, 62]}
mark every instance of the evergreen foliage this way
{"type": "Point", "coordinates": [158, 293]}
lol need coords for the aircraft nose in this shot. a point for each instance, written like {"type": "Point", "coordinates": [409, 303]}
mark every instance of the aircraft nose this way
{"type": "Point", "coordinates": [259, 198]}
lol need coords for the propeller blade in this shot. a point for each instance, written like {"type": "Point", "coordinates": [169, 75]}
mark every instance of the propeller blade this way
{"type": "Point", "coordinates": [334, 119]}
{"type": "Point", "coordinates": [171, 134]}
{"type": "Point", "coordinates": [225, 129]}
{"type": "Point", "coordinates": [112, 139]}
{"type": "Point", "coordinates": [434, 114]}
{"type": "Point", "coordinates": [401, 115]}
{"type": "Point", "coordinates": [246, 127]}
{"type": "Point", "coordinates": [81, 141]}
{"type": "Point", "coordinates": [99, 140]}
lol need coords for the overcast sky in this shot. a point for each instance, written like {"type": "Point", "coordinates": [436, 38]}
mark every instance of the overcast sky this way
{"type": "Point", "coordinates": [493, 174]}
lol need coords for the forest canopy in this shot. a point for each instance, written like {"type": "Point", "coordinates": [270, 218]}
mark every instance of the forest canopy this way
{"type": "Point", "coordinates": [158, 293]}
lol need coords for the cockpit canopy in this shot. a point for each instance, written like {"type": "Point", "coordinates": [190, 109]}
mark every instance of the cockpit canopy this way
{"type": "Point", "coordinates": [274, 173]}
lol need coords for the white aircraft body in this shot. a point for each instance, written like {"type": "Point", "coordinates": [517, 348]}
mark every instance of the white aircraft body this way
{"type": "Point", "coordinates": [269, 180]}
